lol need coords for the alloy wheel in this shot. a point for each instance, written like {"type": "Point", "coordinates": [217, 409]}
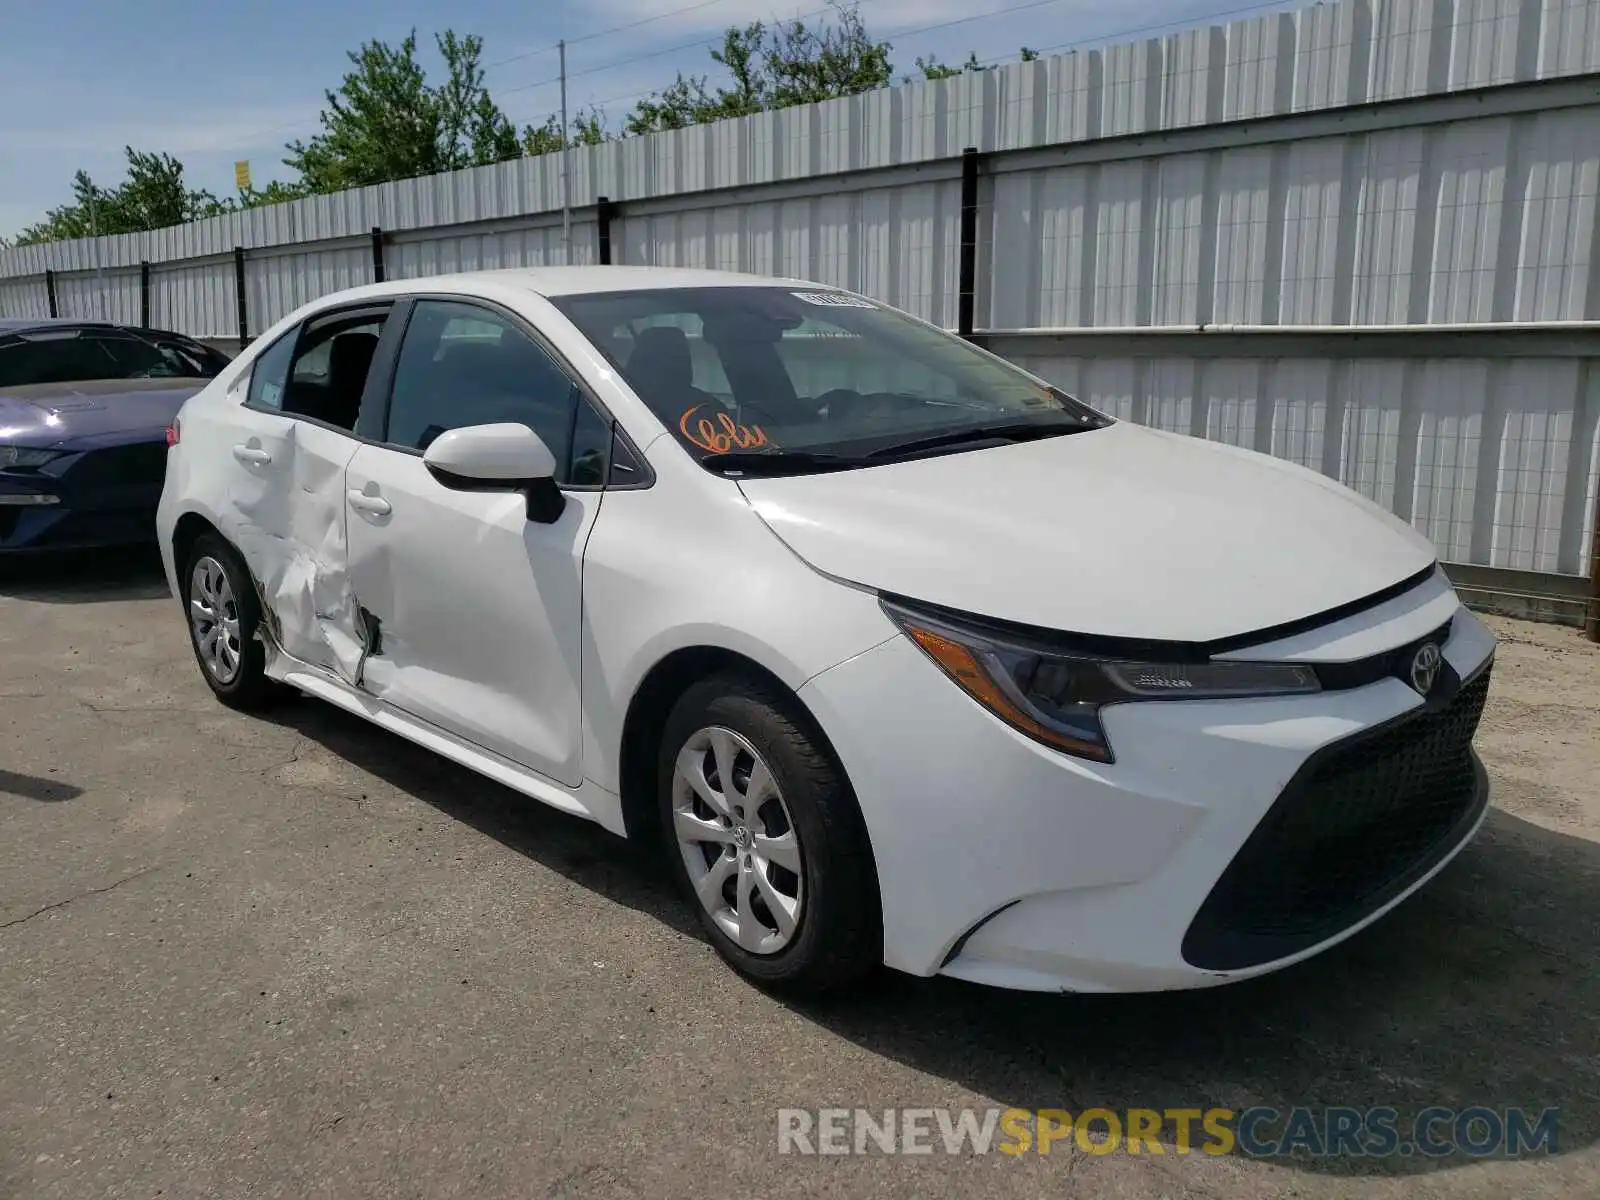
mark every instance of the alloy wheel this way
{"type": "Point", "coordinates": [214, 619]}
{"type": "Point", "coordinates": [737, 839]}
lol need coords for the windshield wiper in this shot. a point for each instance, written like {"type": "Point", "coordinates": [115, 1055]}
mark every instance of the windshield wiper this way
{"type": "Point", "coordinates": [1015, 431]}
{"type": "Point", "coordinates": [778, 462]}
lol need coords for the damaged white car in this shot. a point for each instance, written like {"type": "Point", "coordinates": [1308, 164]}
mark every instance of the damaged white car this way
{"type": "Point", "coordinates": [906, 656]}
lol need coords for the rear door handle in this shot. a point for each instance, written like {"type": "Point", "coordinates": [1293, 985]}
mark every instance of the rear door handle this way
{"type": "Point", "coordinates": [376, 506]}
{"type": "Point", "coordinates": [253, 456]}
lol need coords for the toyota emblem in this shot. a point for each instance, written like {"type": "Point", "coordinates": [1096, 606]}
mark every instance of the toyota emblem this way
{"type": "Point", "coordinates": [1425, 666]}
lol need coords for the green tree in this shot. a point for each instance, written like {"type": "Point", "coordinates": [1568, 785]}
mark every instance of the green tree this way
{"type": "Point", "coordinates": [276, 192]}
{"type": "Point", "coordinates": [769, 67]}
{"type": "Point", "coordinates": [588, 128]}
{"type": "Point", "coordinates": [388, 122]}
{"type": "Point", "coordinates": [153, 195]}
{"type": "Point", "coordinates": [932, 68]}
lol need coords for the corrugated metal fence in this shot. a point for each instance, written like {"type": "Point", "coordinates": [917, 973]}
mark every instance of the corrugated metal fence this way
{"type": "Point", "coordinates": [1360, 236]}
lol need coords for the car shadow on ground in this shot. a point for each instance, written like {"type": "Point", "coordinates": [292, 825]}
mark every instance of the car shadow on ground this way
{"type": "Point", "coordinates": [84, 576]}
{"type": "Point", "coordinates": [1477, 991]}
{"type": "Point", "coordinates": [36, 787]}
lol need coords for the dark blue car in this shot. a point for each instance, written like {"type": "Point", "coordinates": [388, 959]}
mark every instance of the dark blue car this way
{"type": "Point", "coordinates": [84, 412]}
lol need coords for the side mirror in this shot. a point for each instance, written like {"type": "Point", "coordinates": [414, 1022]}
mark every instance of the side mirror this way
{"type": "Point", "coordinates": [506, 457]}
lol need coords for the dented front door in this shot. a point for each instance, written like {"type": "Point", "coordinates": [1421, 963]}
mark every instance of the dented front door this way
{"type": "Point", "coordinates": [285, 511]}
{"type": "Point", "coordinates": [476, 610]}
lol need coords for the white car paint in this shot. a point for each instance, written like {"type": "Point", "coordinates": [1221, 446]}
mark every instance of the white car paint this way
{"type": "Point", "coordinates": [516, 647]}
{"type": "Point", "coordinates": [1197, 506]}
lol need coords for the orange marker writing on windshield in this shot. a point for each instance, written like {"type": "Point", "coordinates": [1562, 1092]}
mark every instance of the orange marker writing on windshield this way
{"type": "Point", "coordinates": [721, 435]}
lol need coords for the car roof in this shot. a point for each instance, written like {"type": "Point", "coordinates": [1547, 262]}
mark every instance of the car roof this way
{"type": "Point", "coordinates": [573, 281]}
{"type": "Point", "coordinates": [25, 324]}
{"type": "Point", "coordinates": [556, 281]}
{"type": "Point", "coordinates": [15, 324]}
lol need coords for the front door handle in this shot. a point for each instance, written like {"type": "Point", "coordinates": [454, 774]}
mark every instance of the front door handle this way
{"type": "Point", "coordinates": [252, 456]}
{"type": "Point", "coordinates": [365, 502]}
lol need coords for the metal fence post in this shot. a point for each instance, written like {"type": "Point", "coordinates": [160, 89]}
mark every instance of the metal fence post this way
{"type": "Point", "coordinates": [965, 302]}
{"type": "Point", "coordinates": [603, 211]}
{"type": "Point", "coordinates": [239, 296]}
{"type": "Point", "coordinates": [144, 294]}
{"type": "Point", "coordinates": [50, 291]}
{"type": "Point", "coordinates": [1593, 613]}
{"type": "Point", "coordinates": [377, 255]}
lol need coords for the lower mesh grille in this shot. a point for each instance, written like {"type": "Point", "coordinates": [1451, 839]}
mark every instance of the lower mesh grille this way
{"type": "Point", "coordinates": [1362, 820]}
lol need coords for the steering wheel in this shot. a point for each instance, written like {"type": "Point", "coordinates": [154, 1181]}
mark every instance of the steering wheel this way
{"type": "Point", "coordinates": [753, 414]}
{"type": "Point", "coordinates": [837, 401]}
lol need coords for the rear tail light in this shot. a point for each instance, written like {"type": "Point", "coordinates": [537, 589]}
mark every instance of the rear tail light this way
{"type": "Point", "coordinates": [172, 434]}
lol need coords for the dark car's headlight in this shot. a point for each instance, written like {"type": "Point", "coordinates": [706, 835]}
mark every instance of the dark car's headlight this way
{"type": "Point", "coordinates": [1056, 697]}
{"type": "Point", "coordinates": [24, 456]}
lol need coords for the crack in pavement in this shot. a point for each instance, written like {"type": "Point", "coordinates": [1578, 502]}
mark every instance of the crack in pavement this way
{"type": "Point", "coordinates": [99, 891]}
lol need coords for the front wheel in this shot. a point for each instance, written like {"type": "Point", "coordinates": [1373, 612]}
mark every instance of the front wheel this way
{"type": "Point", "coordinates": [220, 601]}
{"type": "Point", "coordinates": [767, 839]}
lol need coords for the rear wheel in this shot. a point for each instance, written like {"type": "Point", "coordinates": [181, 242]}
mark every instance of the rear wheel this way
{"type": "Point", "coordinates": [220, 600]}
{"type": "Point", "coordinates": [766, 838]}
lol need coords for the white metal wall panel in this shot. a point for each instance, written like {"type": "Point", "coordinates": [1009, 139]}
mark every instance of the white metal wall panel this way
{"type": "Point", "coordinates": [1331, 47]}
{"type": "Point", "coordinates": [24, 297]}
{"type": "Point", "coordinates": [112, 295]}
{"type": "Point", "coordinates": [1234, 390]}
{"type": "Point", "coordinates": [1314, 188]}
{"type": "Point", "coordinates": [1464, 269]}
{"type": "Point", "coordinates": [413, 256]}
{"type": "Point", "coordinates": [1169, 394]}
{"type": "Point", "coordinates": [1179, 242]}
{"type": "Point", "coordinates": [1373, 401]}
{"type": "Point", "coordinates": [1452, 399]}
{"type": "Point", "coordinates": [1569, 38]}
{"type": "Point", "coordinates": [1555, 274]}
{"type": "Point", "coordinates": [1120, 220]}
{"type": "Point", "coordinates": [196, 298]}
{"type": "Point", "coordinates": [1498, 458]}
{"type": "Point", "coordinates": [277, 284]}
{"type": "Point", "coordinates": [1537, 399]}
{"type": "Point", "coordinates": [1300, 396]}
{"type": "Point", "coordinates": [1578, 521]}
{"type": "Point", "coordinates": [1386, 226]}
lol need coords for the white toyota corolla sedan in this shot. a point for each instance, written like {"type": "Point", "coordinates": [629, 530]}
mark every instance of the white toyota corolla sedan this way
{"type": "Point", "coordinates": [904, 655]}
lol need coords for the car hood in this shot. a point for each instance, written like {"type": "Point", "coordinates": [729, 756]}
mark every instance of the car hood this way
{"type": "Point", "coordinates": [67, 414]}
{"type": "Point", "coordinates": [1119, 532]}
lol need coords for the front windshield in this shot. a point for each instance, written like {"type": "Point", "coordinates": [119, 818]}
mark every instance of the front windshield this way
{"type": "Point", "coordinates": [815, 374]}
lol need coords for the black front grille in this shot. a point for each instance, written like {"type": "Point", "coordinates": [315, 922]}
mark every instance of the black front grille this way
{"type": "Point", "coordinates": [1362, 820]}
{"type": "Point", "coordinates": [118, 466]}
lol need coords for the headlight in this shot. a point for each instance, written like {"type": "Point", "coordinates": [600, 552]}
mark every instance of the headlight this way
{"type": "Point", "coordinates": [1056, 697]}
{"type": "Point", "coordinates": [23, 456]}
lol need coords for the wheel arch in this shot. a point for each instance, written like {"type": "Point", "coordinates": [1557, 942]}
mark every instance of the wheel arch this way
{"type": "Point", "coordinates": [186, 531]}
{"type": "Point", "coordinates": [652, 701]}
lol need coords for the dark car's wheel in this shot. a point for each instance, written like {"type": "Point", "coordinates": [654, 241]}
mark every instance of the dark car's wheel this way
{"type": "Point", "coordinates": [764, 833]}
{"type": "Point", "coordinates": [220, 601]}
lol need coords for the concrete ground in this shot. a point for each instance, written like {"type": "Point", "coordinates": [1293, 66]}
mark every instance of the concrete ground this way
{"type": "Point", "coordinates": [300, 957]}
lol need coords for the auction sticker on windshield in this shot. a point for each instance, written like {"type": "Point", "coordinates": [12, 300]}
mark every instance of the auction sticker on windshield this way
{"type": "Point", "coordinates": [832, 300]}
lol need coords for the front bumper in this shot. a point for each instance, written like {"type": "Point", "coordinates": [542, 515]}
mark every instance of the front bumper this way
{"type": "Point", "coordinates": [1004, 862]}
{"type": "Point", "coordinates": [91, 499]}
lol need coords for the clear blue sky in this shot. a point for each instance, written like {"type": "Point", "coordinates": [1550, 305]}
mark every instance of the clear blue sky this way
{"type": "Point", "coordinates": [211, 81]}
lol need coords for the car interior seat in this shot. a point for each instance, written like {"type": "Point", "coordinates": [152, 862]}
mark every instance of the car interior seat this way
{"type": "Point", "coordinates": [349, 359]}
{"type": "Point", "coordinates": [661, 370]}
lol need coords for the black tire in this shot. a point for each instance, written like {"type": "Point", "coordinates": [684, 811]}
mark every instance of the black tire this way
{"type": "Point", "coordinates": [838, 939]}
{"type": "Point", "coordinates": [248, 689]}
